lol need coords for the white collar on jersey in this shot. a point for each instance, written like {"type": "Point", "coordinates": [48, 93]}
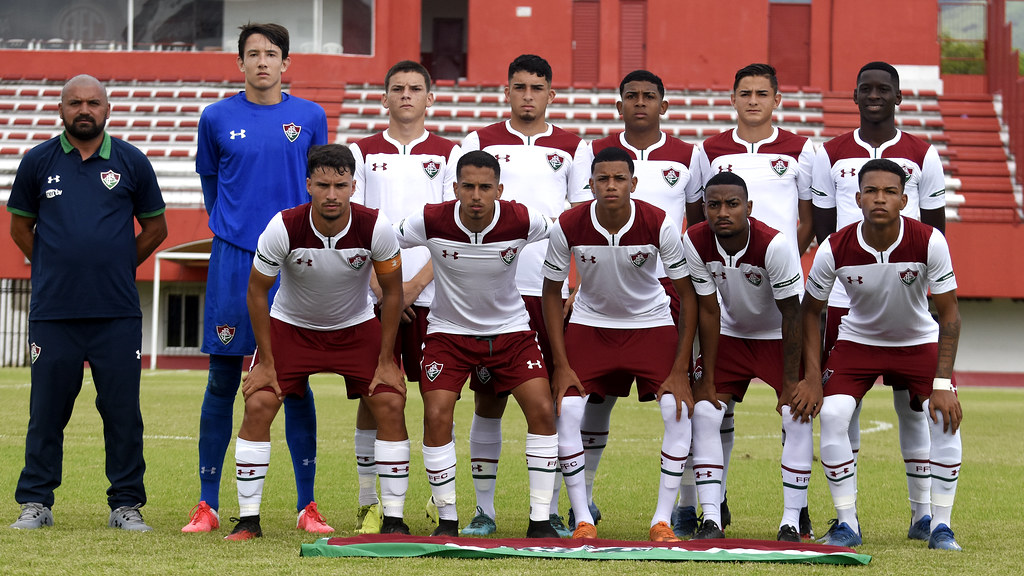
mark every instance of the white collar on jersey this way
{"type": "Point", "coordinates": [613, 239]}
{"type": "Point", "coordinates": [527, 139]}
{"type": "Point", "coordinates": [330, 241]}
{"type": "Point", "coordinates": [405, 148]}
{"type": "Point", "coordinates": [876, 152]}
{"type": "Point", "coordinates": [477, 237]}
{"type": "Point", "coordinates": [641, 154]}
{"type": "Point", "coordinates": [754, 146]}
{"type": "Point", "coordinates": [730, 258]}
{"type": "Point", "coordinates": [883, 256]}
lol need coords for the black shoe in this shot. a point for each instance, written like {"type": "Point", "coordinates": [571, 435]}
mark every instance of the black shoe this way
{"type": "Point", "coordinates": [446, 528]}
{"type": "Point", "coordinates": [806, 532]}
{"type": "Point", "coordinates": [788, 534]}
{"type": "Point", "coordinates": [541, 529]}
{"type": "Point", "coordinates": [393, 525]}
{"type": "Point", "coordinates": [248, 527]}
{"type": "Point", "coordinates": [726, 514]}
{"type": "Point", "coordinates": [708, 530]}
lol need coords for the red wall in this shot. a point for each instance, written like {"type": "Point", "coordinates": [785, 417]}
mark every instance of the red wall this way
{"type": "Point", "coordinates": [497, 36]}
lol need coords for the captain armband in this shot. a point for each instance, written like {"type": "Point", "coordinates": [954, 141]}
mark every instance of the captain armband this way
{"type": "Point", "coordinates": [389, 265]}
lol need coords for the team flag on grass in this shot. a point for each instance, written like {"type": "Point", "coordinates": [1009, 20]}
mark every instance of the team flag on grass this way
{"type": "Point", "coordinates": [726, 550]}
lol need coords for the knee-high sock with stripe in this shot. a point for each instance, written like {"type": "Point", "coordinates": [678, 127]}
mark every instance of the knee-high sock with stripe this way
{"type": "Point", "coordinates": [594, 429]}
{"type": "Point", "coordinates": [675, 447]}
{"type": "Point", "coordinates": [571, 456]}
{"type": "Point", "coordinates": [797, 455]}
{"type": "Point", "coordinates": [440, 464]}
{"type": "Point", "coordinates": [251, 462]}
{"type": "Point", "coordinates": [541, 463]}
{"type": "Point", "coordinates": [392, 460]}
{"type": "Point", "coordinates": [915, 445]}
{"type": "Point", "coordinates": [366, 466]}
{"type": "Point", "coordinates": [837, 456]}
{"type": "Point", "coordinates": [484, 451]}
{"type": "Point", "coordinates": [946, 455]}
{"type": "Point", "coordinates": [708, 457]}
{"type": "Point", "coordinates": [215, 423]}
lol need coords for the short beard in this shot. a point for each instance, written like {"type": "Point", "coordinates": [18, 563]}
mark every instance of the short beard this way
{"type": "Point", "coordinates": [85, 134]}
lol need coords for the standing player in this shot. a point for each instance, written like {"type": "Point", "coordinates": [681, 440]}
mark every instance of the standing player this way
{"type": "Point", "coordinates": [621, 327]}
{"type": "Point", "coordinates": [888, 264]}
{"type": "Point", "coordinates": [543, 167]}
{"type": "Point", "coordinates": [776, 165]}
{"type": "Point", "coordinates": [322, 321]}
{"type": "Point", "coordinates": [756, 273]}
{"type": "Point", "coordinates": [836, 169]}
{"type": "Point", "coordinates": [666, 171]}
{"type": "Point", "coordinates": [478, 318]}
{"type": "Point", "coordinates": [251, 160]}
{"type": "Point", "coordinates": [398, 171]}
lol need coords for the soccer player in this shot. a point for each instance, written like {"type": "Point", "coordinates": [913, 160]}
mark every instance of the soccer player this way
{"type": "Point", "coordinates": [322, 320]}
{"type": "Point", "coordinates": [478, 318]}
{"type": "Point", "coordinates": [776, 165]}
{"type": "Point", "coordinates": [545, 168]}
{"type": "Point", "coordinates": [251, 160]}
{"type": "Point", "coordinates": [73, 205]}
{"type": "Point", "coordinates": [666, 171]}
{"type": "Point", "coordinates": [621, 327]}
{"type": "Point", "coordinates": [398, 171]}
{"type": "Point", "coordinates": [888, 263]}
{"type": "Point", "coordinates": [835, 188]}
{"type": "Point", "coordinates": [756, 273]}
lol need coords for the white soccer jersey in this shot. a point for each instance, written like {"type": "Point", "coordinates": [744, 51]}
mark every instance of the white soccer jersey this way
{"type": "Point", "coordinates": [546, 172]}
{"type": "Point", "coordinates": [835, 180]}
{"type": "Point", "coordinates": [748, 282]}
{"type": "Point", "coordinates": [619, 286]}
{"type": "Point", "coordinates": [474, 271]}
{"type": "Point", "coordinates": [666, 174]}
{"type": "Point", "coordinates": [888, 290]}
{"type": "Point", "coordinates": [399, 179]}
{"type": "Point", "coordinates": [777, 171]}
{"type": "Point", "coordinates": [324, 280]}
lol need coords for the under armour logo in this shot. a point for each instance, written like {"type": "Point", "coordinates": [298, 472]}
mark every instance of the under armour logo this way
{"type": "Point", "coordinates": [725, 169]}
{"type": "Point", "coordinates": [240, 134]}
{"type": "Point", "coordinates": [858, 280]}
{"type": "Point", "coordinates": [477, 468]}
{"type": "Point", "coordinates": [698, 474]}
{"type": "Point", "coordinates": [835, 473]}
{"type": "Point", "coordinates": [852, 171]}
{"type": "Point", "coordinates": [397, 469]}
{"type": "Point", "coordinates": [53, 179]}
{"type": "Point", "coordinates": [243, 473]}
{"type": "Point", "coordinates": [454, 255]}
{"type": "Point", "coordinates": [205, 470]}
{"type": "Point", "coordinates": [584, 260]}
{"type": "Point", "coordinates": [505, 157]}
{"type": "Point", "coordinates": [530, 364]}
{"type": "Point", "coordinates": [308, 261]}
{"type": "Point", "coordinates": [383, 166]}
{"type": "Point", "coordinates": [363, 459]}
{"type": "Point", "coordinates": [308, 461]}
{"type": "Point", "coordinates": [716, 275]}
{"type": "Point", "coordinates": [138, 354]}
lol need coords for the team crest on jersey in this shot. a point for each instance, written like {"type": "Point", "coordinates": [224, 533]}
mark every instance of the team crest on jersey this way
{"type": "Point", "coordinates": [555, 161]}
{"type": "Point", "coordinates": [753, 277]}
{"type": "Point", "coordinates": [433, 370]}
{"type": "Point", "coordinates": [357, 261]}
{"type": "Point", "coordinates": [508, 255]}
{"type": "Point", "coordinates": [639, 258]}
{"type": "Point", "coordinates": [908, 276]}
{"type": "Point", "coordinates": [291, 131]}
{"type": "Point", "coordinates": [35, 350]}
{"type": "Point", "coordinates": [780, 166]}
{"type": "Point", "coordinates": [110, 179]}
{"type": "Point", "coordinates": [431, 168]}
{"type": "Point", "coordinates": [483, 374]}
{"type": "Point", "coordinates": [671, 176]}
{"type": "Point", "coordinates": [910, 173]}
{"type": "Point", "coordinates": [225, 333]}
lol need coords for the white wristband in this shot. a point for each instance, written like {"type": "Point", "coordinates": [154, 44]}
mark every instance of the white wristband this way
{"type": "Point", "coordinates": [945, 384]}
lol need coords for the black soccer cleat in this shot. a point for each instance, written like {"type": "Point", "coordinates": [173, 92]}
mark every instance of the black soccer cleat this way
{"type": "Point", "coordinates": [393, 525]}
{"type": "Point", "coordinates": [806, 531]}
{"type": "Point", "coordinates": [541, 529]}
{"type": "Point", "coordinates": [787, 533]}
{"type": "Point", "coordinates": [448, 528]}
{"type": "Point", "coordinates": [708, 530]}
{"type": "Point", "coordinates": [248, 527]}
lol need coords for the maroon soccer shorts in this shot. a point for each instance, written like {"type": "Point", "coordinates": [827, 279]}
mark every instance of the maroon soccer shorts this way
{"type": "Point", "coordinates": [852, 368]}
{"type": "Point", "coordinates": [833, 317]}
{"type": "Point", "coordinates": [740, 359]}
{"type": "Point", "coordinates": [511, 359]}
{"type": "Point", "coordinates": [674, 302]}
{"type": "Point", "coordinates": [607, 360]}
{"type": "Point", "coordinates": [535, 310]}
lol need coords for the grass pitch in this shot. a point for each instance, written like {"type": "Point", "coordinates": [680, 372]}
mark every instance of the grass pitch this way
{"type": "Point", "coordinates": [987, 517]}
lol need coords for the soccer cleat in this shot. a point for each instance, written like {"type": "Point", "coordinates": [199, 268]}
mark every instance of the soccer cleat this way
{"type": "Point", "coordinates": [584, 530]}
{"type": "Point", "coordinates": [541, 529]}
{"type": "Point", "coordinates": [921, 530]}
{"type": "Point", "coordinates": [431, 510]}
{"type": "Point", "coordinates": [202, 519]}
{"type": "Point", "coordinates": [393, 525]}
{"type": "Point", "coordinates": [806, 531]}
{"type": "Point", "coordinates": [662, 532]}
{"type": "Point", "coordinates": [128, 518]}
{"type": "Point", "coordinates": [942, 539]}
{"type": "Point", "coordinates": [311, 521]}
{"type": "Point", "coordinates": [594, 513]}
{"type": "Point", "coordinates": [559, 526]}
{"type": "Point", "coordinates": [685, 522]}
{"type": "Point", "coordinates": [368, 519]}
{"type": "Point", "coordinates": [787, 533]}
{"type": "Point", "coordinates": [33, 515]}
{"type": "Point", "coordinates": [843, 535]}
{"type": "Point", "coordinates": [708, 530]}
{"type": "Point", "coordinates": [726, 514]}
{"type": "Point", "coordinates": [247, 528]}
{"type": "Point", "coordinates": [448, 528]}
{"type": "Point", "coordinates": [480, 525]}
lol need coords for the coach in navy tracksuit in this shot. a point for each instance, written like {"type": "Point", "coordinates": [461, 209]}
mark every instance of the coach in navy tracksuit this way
{"type": "Point", "coordinates": [73, 208]}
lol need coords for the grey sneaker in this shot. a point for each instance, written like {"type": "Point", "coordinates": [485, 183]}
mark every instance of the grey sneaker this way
{"type": "Point", "coordinates": [33, 515]}
{"type": "Point", "coordinates": [129, 518]}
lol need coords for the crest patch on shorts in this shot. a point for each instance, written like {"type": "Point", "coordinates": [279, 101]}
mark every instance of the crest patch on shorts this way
{"type": "Point", "coordinates": [433, 370]}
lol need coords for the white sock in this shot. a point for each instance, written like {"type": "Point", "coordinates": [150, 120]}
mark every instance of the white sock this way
{"type": "Point", "coordinates": [556, 490]}
{"type": "Point", "coordinates": [366, 468]}
{"type": "Point", "coordinates": [675, 446]}
{"type": "Point", "coordinates": [251, 461]}
{"type": "Point", "coordinates": [854, 432]}
{"type": "Point", "coordinates": [946, 454]}
{"type": "Point", "coordinates": [571, 458]}
{"type": "Point", "coordinates": [915, 445]}
{"type": "Point", "coordinates": [837, 456]}
{"type": "Point", "coordinates": [708, 458]}
{"type": "Point", "coordinates": [797, 455]}
{"type": "Point", "coordinates": [541, 463]}
{"type": "Point", "coordinates": [440, 464]}
{"type": "Point", "coordinates": [484, 451]}
{"type": "Point", "coordinates": [594, 429]}
{"type": "Point", "coordinates": [688, 486]}
{"type": "Point", "coordinates": [728, 432]}
{"type": "Point", "coordinates": [393, 470]}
